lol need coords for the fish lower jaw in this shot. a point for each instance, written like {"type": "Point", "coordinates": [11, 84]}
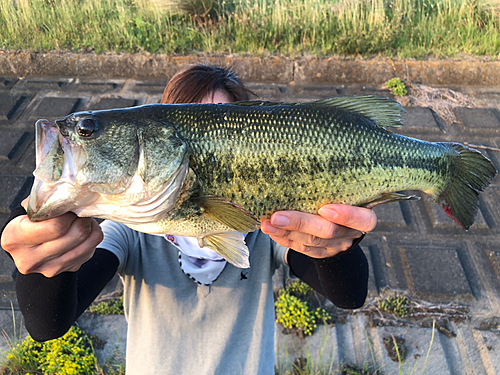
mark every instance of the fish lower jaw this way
{"type": "Point", "coordinates": [47, 212]}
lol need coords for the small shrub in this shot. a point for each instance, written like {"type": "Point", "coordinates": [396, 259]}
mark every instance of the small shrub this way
{"type": "Point", "coordinates": [294, 313]}
{"type": "Point", "coordinates": [398, 305]}
{"type": "Point", "coordinates": [109, 307]}
{"type": "Point", "coordinates": [299, 288]}
{"type": "Point", "coordinates": [68, 355]}
{"type": "Point", "coordinates": [397, 87]}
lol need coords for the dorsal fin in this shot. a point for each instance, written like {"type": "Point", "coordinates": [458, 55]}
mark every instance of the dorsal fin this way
{"type": "Point", "coordinates": [382, 111]}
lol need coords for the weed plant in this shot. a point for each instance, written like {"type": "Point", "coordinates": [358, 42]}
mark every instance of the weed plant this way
{"type": "Point", "coordinates": [299, 288]}
{"type": "Point", "coordinates": [109, 307]}
{"type": "Point", "coordinates": [73, 353]}
{"type": "Point", "coordinates": [398, 305]}
{"type": "Point", "coordinates": [294, 313]}
{"type": "Point", "coordinates": [396, 86]}
{"type": "Point", "coordinates": [68, 355]}
{"type": "Point", "coordinates": [395, 28]}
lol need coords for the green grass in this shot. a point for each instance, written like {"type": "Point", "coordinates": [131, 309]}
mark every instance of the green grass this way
{"type": "Point", "coordinates": [395, 28]}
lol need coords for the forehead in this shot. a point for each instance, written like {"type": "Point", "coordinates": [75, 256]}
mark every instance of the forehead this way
{"type": "Point", "coordinates": [218, 96]}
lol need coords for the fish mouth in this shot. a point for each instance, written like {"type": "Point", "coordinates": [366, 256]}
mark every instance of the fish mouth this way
{"type": "Point", "coordinates": [57, 161]}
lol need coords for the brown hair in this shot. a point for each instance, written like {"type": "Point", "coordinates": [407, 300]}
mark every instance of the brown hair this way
{"type": "Point", "coordinates": [194, 83]}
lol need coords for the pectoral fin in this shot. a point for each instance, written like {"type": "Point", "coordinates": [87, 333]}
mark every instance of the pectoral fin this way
{"type": "Point", "coordinates": [230, 214]}
{"type": "Point", "coordinates": [231, 246]}
{"type": "Point", "coordinates": [391, 197]}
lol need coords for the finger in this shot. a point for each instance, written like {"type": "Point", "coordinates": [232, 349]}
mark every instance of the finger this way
{"type": "Point", "coordinates": [44, 231]}
{"type": "Point", "coordinates": [311, 245]}
{"type": "Point", "coordinates": [336, 247]}
{"type": "Point", "coordinates": [359, 218]}
{"type": "Point", "coordinates": [78, 233]}
{"type": "Point", "coordinates": [43, 255]}
{"type": "Point", "coordinates": [22, 232]}
{"type": "Point", "coordinates": [72, 260]}
{"type": "Point", "coordinates": [311, 240]}
{"type": "Point", "coordinates": [283, 222]}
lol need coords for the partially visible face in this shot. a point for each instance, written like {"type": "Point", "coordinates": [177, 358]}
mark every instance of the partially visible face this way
{"type": "Point", "coordinates": [216, 97]}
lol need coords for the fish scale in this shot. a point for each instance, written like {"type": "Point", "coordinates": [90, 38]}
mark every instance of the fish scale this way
{"type": "Point", "coordinates": [306, 186]}
{"type": "Point", "coordinates": [208, 171]}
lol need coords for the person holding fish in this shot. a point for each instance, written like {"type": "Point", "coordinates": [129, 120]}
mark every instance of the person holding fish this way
{"type": "Point", "coordinates": [188, 310]}
{"type": "Point", "coordinates": [195, 303]}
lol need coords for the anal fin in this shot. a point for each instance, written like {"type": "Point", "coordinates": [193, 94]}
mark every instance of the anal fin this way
{"type": "Point", "coordinates": [230, 245]}
{"type": "Point", "coordinates": [389, 197]}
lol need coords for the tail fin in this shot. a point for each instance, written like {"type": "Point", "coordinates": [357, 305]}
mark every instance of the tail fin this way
{"type": "Point", "coordinates": [473, 173]}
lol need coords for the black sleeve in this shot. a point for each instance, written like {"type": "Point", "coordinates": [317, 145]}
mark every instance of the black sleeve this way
{"type": "Point", "coordinates": [18, 211]}
{"type": "Point", "coordinates": [51, 305]}
{"type": "Point", "coordinates": [343, 278]}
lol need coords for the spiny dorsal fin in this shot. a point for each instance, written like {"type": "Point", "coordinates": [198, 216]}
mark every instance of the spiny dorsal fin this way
{"type": "Point", "coordinates": [382, 111]}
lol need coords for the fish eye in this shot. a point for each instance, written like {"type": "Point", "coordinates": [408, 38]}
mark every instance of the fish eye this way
{"type": "Point", "coordinates": [86, 128]}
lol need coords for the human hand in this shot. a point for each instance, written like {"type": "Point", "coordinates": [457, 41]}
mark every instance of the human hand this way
{"type": "Point", "coordinates": [324, 235]}
{"type": "Point", "coordinates": [53, 246]}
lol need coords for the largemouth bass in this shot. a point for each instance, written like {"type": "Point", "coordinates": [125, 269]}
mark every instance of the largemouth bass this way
{"type": "Point", "coordinates": [212, 171]}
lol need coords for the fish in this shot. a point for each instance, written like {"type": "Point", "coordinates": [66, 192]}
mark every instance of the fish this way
{"type": "Point", "coordinates": [215, 171]}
